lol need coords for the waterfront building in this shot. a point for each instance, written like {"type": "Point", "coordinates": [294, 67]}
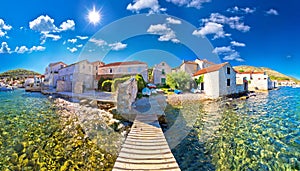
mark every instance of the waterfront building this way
{"type": "Point", "coordinates": [256, 80]}
{"type": "Point", "coordinates": [51, 74]}
{"type": "Point", "coordinates": [160, 72]}
{"type": "Point", "coordinates": [219, 80]}
{"type": "Point", "coordinates": [119, 69]}
{"type": "Point", "coordinates": [76, 77]}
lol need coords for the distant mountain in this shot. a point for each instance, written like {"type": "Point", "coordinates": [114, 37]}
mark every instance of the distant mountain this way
{"type": "Point", "coordinates": [274, 75]}
{"type": "Point", "coordinates": [18, 73]}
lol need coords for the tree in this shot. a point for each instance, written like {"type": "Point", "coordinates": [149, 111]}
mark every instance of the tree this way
{"type": "Point", "coordinates": [199, 80]}
{"type": "Point", "coordinates": [180, 80]}
{"type": "Point", "coordinates": [140, 82]}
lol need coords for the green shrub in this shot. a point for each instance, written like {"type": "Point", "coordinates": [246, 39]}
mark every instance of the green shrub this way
{"type": "Point", "coordinates": [106, 85]}
{"type": "Point", "coordinates": [100, 81]}
{"type": "Point", "coordinates": [140, 82]}
{"type": "Point", "coordinates": [118, 81]}
{"type": "Point", "coordinates": [179, 80]}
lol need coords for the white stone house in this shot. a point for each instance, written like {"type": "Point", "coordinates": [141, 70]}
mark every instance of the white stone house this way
{"type": "Point", "coordinates": [119, 69]}
{"type": "Point", "coordinates": [51, 74]}
{"type": "Point", "coordinates": [219, 80]}
{"type": "Point", "coordinates": [76, 77]}
{"type": "Point", "coordinates": [160, 72]}
{"type": "Point", "coordinates": [256, 80]}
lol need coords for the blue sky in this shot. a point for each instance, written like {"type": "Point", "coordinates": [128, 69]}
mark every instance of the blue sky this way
{"type": "Point", "coordinates": [249, 32]}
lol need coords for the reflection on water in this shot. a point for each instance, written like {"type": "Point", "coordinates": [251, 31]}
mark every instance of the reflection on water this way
{"type": "Point", "coordinates": [261, 133]}
{"type": "Point", "coordinates": [32, 137]}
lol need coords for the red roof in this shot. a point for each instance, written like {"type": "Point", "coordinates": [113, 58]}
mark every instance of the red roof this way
{"type": "Point", "coordinates": [56, 63]}
{"type": "Point", "coordinates": [210, 69]}
{"type": "Point", "coordinates": [124, 63]}
{"type": "Point", "coordinates": [206, 61]}
{"type": "Point", "coordinates": [249, 72]}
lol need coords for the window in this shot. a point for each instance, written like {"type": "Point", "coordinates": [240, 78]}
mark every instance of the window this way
{"type": "Point", "coordinates": [71, 77]}
{"type": "Point", "coordinates": [228, 70]}
{"type": "Point", "coordinates": [83, 66]}
{"type": "Point", "coordinates": [163, 80]}
{"type": "Point", "coordinates": [163, 71]}
{"type": "Point", "coordinates": [129, 69]}
{"type": "Point", "coordinates": [110, 70]}
{"type": "Point", "coordinates": [228, 82]}
{"type": "Point", "coordinates": [163, 64]}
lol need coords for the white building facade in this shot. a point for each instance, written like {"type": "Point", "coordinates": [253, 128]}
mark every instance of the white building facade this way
{"type": "Point", "coordinates": [51, 74]}
{"type": "Point", "coordinates": [256, 80]}
{"type": "Point", "coordinates": [219, 80]}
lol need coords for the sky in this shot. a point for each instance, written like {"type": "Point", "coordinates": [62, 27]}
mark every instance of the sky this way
{"type": "Point", "coordinates": [263, 33]}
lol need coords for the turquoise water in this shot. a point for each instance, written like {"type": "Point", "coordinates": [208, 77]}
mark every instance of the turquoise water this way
{"type": "Point", "coordinates": [261, 133]}
{"type": "Point", "coordinates": [32, 137]}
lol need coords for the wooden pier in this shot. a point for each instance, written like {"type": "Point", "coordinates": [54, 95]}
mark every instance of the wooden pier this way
{"type": "Point", "coordinates": [145, 147]}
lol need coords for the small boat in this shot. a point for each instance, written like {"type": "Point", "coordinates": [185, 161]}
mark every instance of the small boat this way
{"type": "Point", "coordinates": [6, 88]}
{"type": "Point", "coordinates": [251, 94]}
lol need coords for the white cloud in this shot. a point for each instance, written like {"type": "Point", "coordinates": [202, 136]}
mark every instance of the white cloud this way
{"type": "Point", "coordinates": [98, 42]}
{"type": "Point", "coordinates": [117, 46]}
{"type": "Point", "coordinates": [37, 48]}
{"type": "Point", "coordinates": [113, 46]}
{"type": "Point", "coordinates": [173, 21]}
{"type": "Point", "coordinates": [24, 49]}
{"type": "Point", "coordinates": [232, 22]}
{"type": "Point", "coordinates": [246, 10]}
{"type": "Point", "coordinates": [234, 43]}
{"type": "Point", "coordinates": [79, 46]}
{"type": "Point", "coordinates": [152, 5]}
{"type": "Point", "coordinates": [272, 12]}
{"type": "Point", "coordinates": [211, 28]}
{"type": "Point", "coordinates": [233, 56]}
{"type": "Point", "coordinates": [67, 25]}
{"type": "Point", "coordinates": [166, 33]}
{"type": "Point", "coordinates": [4, 48]}
{"type": "Point", "coordinates": [43, 24]}
{"type": "Point", "coordinates": [72, 50]}
{"type": "Point", "coordinates": [72, 40]}
{"type": "Point", "coordinates": [82, 37]}
{"type": "Point", "coordinates": [54, 37]}
{"type": "Point", "coordinates": [228, 53]}
{"type": "Point", "coordinates": [21, 49]}
{"type": "Point", "coordinates": [222, 50]}
{"type": "Point", "coordinates": [189, 3]}
{"type": "Point", "coordinates": [4, 28]}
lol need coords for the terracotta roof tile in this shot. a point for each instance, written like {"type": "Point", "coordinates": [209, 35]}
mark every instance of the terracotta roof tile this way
{"type": "Point", "coordinates": [209, 69]}
{"type": "Point", "coordinates": [123, 63]}
{"type": "Point", "coordinates": [56, 63]}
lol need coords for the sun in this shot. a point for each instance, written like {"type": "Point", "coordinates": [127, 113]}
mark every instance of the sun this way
{"type": "Point", "coordinates": [94, 16]}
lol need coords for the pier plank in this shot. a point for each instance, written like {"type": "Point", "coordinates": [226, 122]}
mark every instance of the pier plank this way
{"type": "Point", "coordinates": [145, 147]}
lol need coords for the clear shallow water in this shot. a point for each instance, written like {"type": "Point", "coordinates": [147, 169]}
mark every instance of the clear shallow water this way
{"type": "Point", "coordinates": [31, 137]}
{"type": "Point", "coordinates": [261, 133]}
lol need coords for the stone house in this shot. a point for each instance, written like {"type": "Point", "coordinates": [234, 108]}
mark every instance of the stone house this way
{"type": "Point", "coordinates": [256, 80]}
{"type": "Point", "coordinates": [160, 72]}
{"type": "Point", "coordinates": [76, 77]}
{"type": "Point", "coordinates": [119, 69]}
{"type": "Point", "coordinates": [219, 80]}
{"type": "Point", "coordinates": [51, 74]}
{"type": "Point", "coordinates": [96, 66]}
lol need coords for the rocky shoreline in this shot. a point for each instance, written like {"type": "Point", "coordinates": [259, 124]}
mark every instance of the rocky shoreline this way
{"type": "Point", "coordinates": [87, 114]}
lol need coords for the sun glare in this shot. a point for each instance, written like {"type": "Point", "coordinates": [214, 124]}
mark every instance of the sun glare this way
{"type": "Point", "coordinates": [94, 16]}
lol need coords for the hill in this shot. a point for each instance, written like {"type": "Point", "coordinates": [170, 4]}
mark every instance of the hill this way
{"type": "Point", "coordinates": [274, 75]}
{"type": "Point", "coordinates": [18, 73]}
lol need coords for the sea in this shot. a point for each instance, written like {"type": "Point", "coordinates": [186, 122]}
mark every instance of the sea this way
{"type": "Point", "coordinates": [260, 133]}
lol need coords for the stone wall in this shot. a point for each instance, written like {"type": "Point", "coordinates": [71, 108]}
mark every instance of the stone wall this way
{"type": "Point", "coordinates": [126, 95]}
